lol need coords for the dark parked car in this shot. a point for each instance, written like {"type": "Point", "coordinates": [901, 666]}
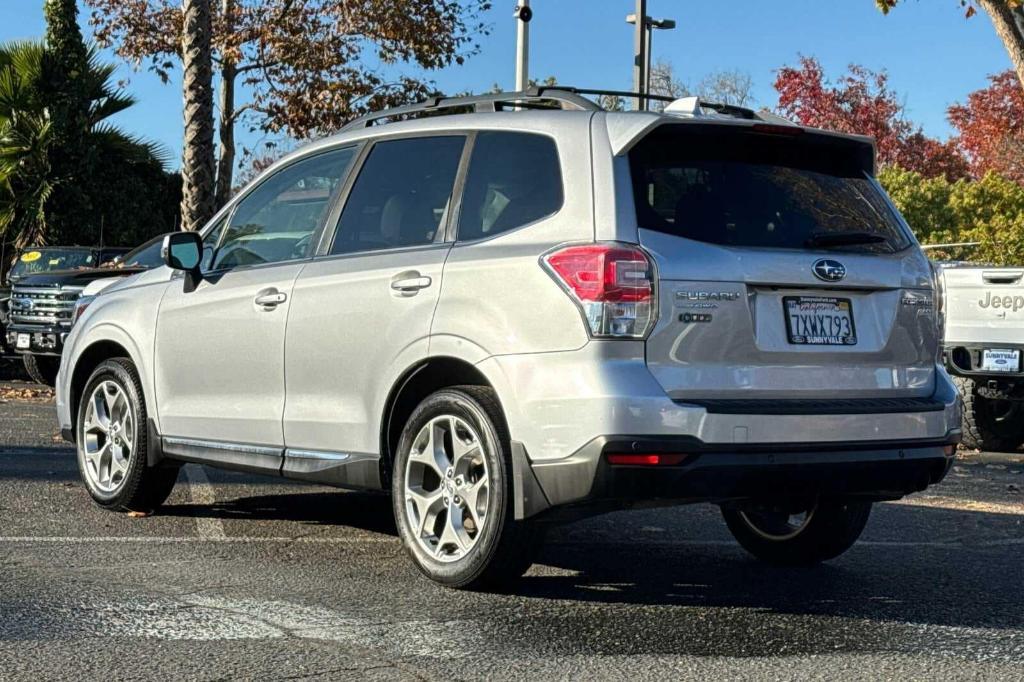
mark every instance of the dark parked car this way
{"type": "Point", "coordinates": [46, 284]}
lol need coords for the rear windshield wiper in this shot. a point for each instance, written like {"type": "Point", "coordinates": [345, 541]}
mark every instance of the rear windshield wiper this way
{"type": "Point", "coordinates": [827, 239]}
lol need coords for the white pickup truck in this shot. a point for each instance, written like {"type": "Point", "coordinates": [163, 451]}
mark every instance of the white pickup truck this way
{"type": "Point", "coordinates": [983, 347]}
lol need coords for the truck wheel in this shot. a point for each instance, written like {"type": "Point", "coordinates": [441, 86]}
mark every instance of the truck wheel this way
{"type": "Point", "coordinates": [822, 532]}
{"type": "Point", "coordinates": [994, 425]}
{"type": "Point", "coordinates": [42, 368]}
{"type": "Point", "coordinates": [452, 492]}
{"type": "Point", "coordinates": [112, 441]}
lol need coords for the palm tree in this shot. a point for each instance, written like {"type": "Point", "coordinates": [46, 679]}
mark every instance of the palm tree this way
{"type": "Point", "coordinates": [197, 159]}
{"type": "Point", "coordinates": [25, 138]}
{"type": "Point", "coordinates": [27, 178]}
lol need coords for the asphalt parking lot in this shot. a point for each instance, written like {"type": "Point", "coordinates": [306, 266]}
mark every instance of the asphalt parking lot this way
{"type": "Point", "coordinates": [241, 577]}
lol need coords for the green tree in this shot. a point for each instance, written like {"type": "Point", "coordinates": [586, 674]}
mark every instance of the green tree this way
{"type": "Point", "coordinates": [989, 211]}
{"type": "Point", "coordinates": [26, 137]}
{"type": "Point", "coordinates": [64, 81]}
{"type": "Point", "coordinates": [924, 202]}
{"type": "Point", "coordinates": [64, 88]}
{"type": "Point", "coordinates": [29, 178]}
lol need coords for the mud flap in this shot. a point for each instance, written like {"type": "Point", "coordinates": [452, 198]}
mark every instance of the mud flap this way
{"type": "Point", "coordinates": [529, 498]}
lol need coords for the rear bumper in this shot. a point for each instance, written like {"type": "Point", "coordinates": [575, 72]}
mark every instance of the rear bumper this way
{"type": "Point", "coordinates": [557, 403]}
{"type": "Point", "coordinates": [716, 473]}
{"type": "Point", "coordinates": [964, 360]}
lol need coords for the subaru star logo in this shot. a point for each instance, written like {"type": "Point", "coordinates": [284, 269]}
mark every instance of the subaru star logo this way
{"type": "Point", "coordinates": [828, 270]}
{"type": "Point", "coordinates": [23, 303]}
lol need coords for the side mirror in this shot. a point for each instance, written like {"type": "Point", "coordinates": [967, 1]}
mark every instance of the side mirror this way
{"type": "Point", "coordinates": [183, 251]}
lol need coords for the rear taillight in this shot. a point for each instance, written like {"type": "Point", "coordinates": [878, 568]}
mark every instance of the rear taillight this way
{"type": "Point", "coordinates": [613, 284]}
{"type": "Point", "coordinates": [939, 306]}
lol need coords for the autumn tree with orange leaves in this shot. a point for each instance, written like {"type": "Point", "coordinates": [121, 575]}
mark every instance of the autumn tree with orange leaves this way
{"type": "Point", "coordinates": [861, 102]}
{"type": "Point", "coordinates": [991, 127]}
{"type": "Point", "coordinates": [297, 67]}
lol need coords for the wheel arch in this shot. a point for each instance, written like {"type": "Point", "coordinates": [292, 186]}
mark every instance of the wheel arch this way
{"type": "Point", "coordinates": [412, 386]}
{"type": "Point", "coordinates": [87, 360]}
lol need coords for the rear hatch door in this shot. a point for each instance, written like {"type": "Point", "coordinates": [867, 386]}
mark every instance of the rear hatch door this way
{"type": "Point", "coordinates": [784, 272]}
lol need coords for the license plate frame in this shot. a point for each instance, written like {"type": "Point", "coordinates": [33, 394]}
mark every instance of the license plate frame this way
{"type": "Point", "coordinates": [1007, 360]}
{"type": "Point", "coordinates": [825, 303]}
{"type": "Point", "coordinates": [23, 341]}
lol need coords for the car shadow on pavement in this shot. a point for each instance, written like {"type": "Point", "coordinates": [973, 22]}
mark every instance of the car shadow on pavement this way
{"type": "Point", "coordinates": [365, 511]}
{"type": "Point", "coordinates": [30, 463]}
{"type": "Point", "coordinates": [916, 564]}
{"type": "Point", "coordinates": [964, 581]}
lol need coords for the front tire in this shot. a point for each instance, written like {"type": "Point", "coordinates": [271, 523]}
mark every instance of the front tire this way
{"type": "Point", "coordinates": [112, 442]}
{"type": "Point", "coordinates": [42, 368]}
{"type": "Point", "coordinates": [989, 424]}
{"type": "Point", "coordinates": [452, 492]}
{"type": "Point", "coordinates": [819, 532]}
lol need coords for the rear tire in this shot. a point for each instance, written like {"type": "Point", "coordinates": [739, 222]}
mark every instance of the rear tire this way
{"type": "Point", "coordinates": [452, 492]}
{"type": "Point", "coordinates": [989, 424]}
{"type": "Point", "coordinates": [112, 442]}
{"type": "Point", "coordinates": [42, 368]}
{"type": "Point", "coordinates": [828, 530]}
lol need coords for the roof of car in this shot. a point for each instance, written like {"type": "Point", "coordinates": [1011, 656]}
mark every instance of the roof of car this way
{"type": "Point", "coordinates": [547, 108]}
{"type": "Point", "coordinates": [556, 105]}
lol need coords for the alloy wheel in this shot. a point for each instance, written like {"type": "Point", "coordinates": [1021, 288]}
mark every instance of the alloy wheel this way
{"type": "Point", "coordinates": [108, 436]}
{"type": "Point", "coordinates": [447, 488]}
{"type": "Point", "coordinates": [777, 525]}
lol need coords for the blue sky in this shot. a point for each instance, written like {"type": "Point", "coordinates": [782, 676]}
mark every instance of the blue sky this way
{"type": "Point", "coordinates": [934, 56]}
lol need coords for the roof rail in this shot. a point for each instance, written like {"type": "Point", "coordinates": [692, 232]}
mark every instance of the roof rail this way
{"type": "Point", "coordinates": [527, 99]}
{"type": "Point", "coordinates": [567, 97]}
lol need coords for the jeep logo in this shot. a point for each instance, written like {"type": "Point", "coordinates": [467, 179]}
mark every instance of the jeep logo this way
{"type": "Point", "coordinates": [828, 270]}
{"type": "Point", "coordinates": [1013, 303]}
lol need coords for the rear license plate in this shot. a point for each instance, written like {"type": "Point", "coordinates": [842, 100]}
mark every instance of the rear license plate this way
{"type": "Point", "coordinates": [819, 321]}
{"type": "Point", "coordinates": [999, 360]}
{"type": "Point", "coordinates": [24, 341]}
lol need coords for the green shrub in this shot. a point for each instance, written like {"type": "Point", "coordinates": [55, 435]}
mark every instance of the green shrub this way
{"type": "Point", "coordinates": [989, 210]}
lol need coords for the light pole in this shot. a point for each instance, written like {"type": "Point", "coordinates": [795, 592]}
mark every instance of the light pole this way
{"type": "Point", "coordinates": [523, 15]}
{"type": "Point", "coordinates": [642, 59]}
{"type": "Point", "coordinates": [639, 52]}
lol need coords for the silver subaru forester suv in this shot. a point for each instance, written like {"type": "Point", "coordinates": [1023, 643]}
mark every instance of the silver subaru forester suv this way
{"type": "Point", "coordinates": [518, 309]}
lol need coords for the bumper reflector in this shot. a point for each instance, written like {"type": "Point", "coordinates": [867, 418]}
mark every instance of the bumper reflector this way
{"type": "Point", "coordinates": [646, 460]}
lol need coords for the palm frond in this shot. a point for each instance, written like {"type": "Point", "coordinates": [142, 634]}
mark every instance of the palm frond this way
{"type": "Point", "coordinates": [110, 139]}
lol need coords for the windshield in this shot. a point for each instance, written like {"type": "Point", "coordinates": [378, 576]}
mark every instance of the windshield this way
{"type": "Point", "coordinates": [748, 189]}
{"type": "Point", "coordinates": [146, 256]}
{"type": "Point", "coordinates": [47, 260]}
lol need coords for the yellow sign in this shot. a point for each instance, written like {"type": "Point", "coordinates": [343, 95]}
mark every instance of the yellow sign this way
{"type": "Point", "coordinates": [30, 256]}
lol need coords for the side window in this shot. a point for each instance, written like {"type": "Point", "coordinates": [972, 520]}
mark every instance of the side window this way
{"type": "Point", "coordinates": [276, 221]}
{"type": "Point", "coordinates": [513, 179]}
{"type": "Point", "coordinates": [401, 195]}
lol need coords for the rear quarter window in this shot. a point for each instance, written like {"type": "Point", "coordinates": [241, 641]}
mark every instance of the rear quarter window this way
{"type": "Point", "coordinates": [514, 179]}
{"type": "Point", "coordinates": [748, 189]}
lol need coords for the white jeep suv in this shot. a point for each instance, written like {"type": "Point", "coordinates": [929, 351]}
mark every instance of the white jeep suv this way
{"type": "Point", "coordinates": [522, 308]}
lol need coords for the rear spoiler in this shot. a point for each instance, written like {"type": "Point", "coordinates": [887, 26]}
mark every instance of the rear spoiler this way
{"type": "Point", "coordinates": [625, 131]}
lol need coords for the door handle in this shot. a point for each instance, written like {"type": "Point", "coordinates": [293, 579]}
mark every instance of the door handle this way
{"type": "Point", "coordinates": [410, 282]}
{"type": "Point", "coordinates": [270, 298]}
{"type": "Point", "coordinates": [1002, 276]}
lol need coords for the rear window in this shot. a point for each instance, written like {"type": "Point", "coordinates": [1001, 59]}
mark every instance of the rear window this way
{"type": "Point", "coordinates": [751, 189]}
